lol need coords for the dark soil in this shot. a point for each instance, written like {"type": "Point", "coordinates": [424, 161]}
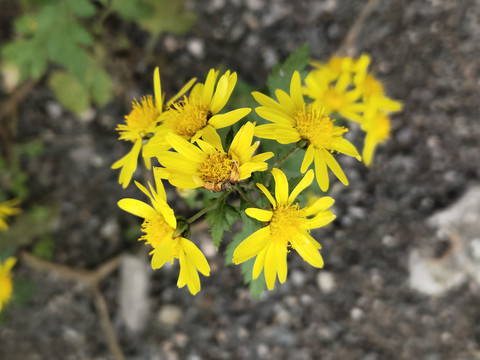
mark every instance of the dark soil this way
{"type": "Point", "coordinates": [425, 52]}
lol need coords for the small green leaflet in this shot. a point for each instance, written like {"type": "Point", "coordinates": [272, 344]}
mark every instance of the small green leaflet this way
{"type": "Point", "coordinates": [282, 73]}
{"type": "Point", "coordinates": [221, 218]}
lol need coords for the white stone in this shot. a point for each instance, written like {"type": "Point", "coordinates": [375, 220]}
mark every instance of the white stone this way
{"type": "Point", "coordinates": [134, 287]}
{"type": "Point", "coordinates": [169, 314]}
{"type": "Point", "coordinates": [325, 281]}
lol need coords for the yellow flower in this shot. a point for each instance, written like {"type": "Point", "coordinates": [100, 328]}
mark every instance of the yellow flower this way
{"type": "Point", "coordinates": [294, 120]}
{"type": "Point", "coordinates": [7, 208]}
{"type": "Point", "coordinates": [331, 86]}
{"type": "Point", "coordinates": [198, 113]}
{"type": "Point", "coordinates": [141, 123]}
{"type": "Point", "coordinates": [6, 286]}
{"type": "Point", "coordinates": [210, 166]}
{"type": "Point", "coordinates": [288, 226]}
{"type": "Point", "coordinates": [163, 233]}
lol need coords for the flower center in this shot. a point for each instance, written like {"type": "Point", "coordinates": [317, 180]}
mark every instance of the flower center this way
{"type": "Point", "coordinates": [286, 221]}
{"type": "Point", "coordinates": [156, 230]}
{"type": "Point", "coordinates": [141, 118]}
{"type": "Point", "coordinates": [334, 100]}
{"type": "Point", "coordinates": [217, 169]}
{"type": "Point", "coordinates": [317, 128]}
{"type": "Point", "coordinates": [5, 289]}
{"type": "Point", "coordinates": [188, 118]}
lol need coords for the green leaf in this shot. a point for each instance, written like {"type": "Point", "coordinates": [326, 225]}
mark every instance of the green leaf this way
{"type": "Point", "coordinates": [130, 10]}
{"type": "Point", "coordinates": [81, 8]}
{"type": "Point", "coordinates": [44, 248]}
{"type": "Point", "coordinates": [69, 91]}
{"type": "Point", "coordinates": [100, 84]}
{"type": "Point", "coordinates": [167, 15]}
{"type": "Point", "coordinates": [282, 73]}
{"type": "Point", "coordinates": [221, 217]}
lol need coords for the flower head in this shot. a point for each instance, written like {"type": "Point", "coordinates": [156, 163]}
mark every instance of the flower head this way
{"type": "Point", "coordinates": [191, 116]}
{"type": "Point", "coordinates": [140, 125]}
{"type": "Point", "coordinates": [164, 234]}
{"type": "Point", "coordinates": [8, 208]}
{"type": "Point", "coordinates": [6, 286]}
{"type": "Point", "coordinates": [293, 120]}
{"type": "Point", "coordinates": [288, 227]}
{"type": "Point", "coordinates": [208, 165]}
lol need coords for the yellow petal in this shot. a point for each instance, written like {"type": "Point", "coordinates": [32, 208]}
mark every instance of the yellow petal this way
{"type": "Point", "coordinates": [305, 182]}
{"type": "Point", "coordinates": [252, 245]}
{"type": "Point", "coordinates": [158, 90]}
{"type": "Point", "coordinates": [259, 264]}
{"type": "Point", "coordinates": [335, 167]}
{"type": "Point", "coordinates": [286, 102]}
{"type": "Point", "coordinates": [305, 245]}
{"type": "Point", "coordinates": [287, 136]}
{"type": "Point", "coordinates": [308, 158]}
{"type": "Point", "coordinates": [159, 184]}
{"type": "Point", "coordinates": [195, 256]}
{"type": "Point", "coordinates": [320, 204]}
{"type": "Point", "coordinates": [8, 265]}
{"type": "Point", "coordinates": [266, 101]}
{"type": "Point", "coordinates": [183, 90]}
{"type": "Point", "coordinates": [223, 120]}
{"type": "Point", "coordinates": [259, 214]}
{"type": "Point", "coordinates": [270, 268]}
{"type": "Point", "coordinates": [246, 170]}
{"type": "Point", "coordinates": [128, 164]}
{"type": "Point", "coordinates": [276, 116]}
{"type": "Point", "coordinates": [346, 147]}
{"type": "Point", "coordinates": [162, 253]}
{"type": "Point", "coordinates": [188, 274]}
{"type": "Point", "coordinates": [182, 181]}
{"type": "Point", "coordinates": [321, 170]}
{"type": "Point", "coordinates": [242, 142]}
{"type": "Point", "coordinates": [210, 135]}
{"type": "Point", "coordinates": [321, 219]}
{"type": "Point", "coordinates": [296, 91]}
{"type": "Point", "coordinates": [137, 208]}
{"type": "Point", "coordinates": [185, 148]}
{"type": "Point", "coordinates": [268, 131]}
{"type": "Point", "coordinates": [267, 194]}
{"type": "Point", "coordinates": [281, 186]}
{"type": "Point", "coordinates": [209, 86]}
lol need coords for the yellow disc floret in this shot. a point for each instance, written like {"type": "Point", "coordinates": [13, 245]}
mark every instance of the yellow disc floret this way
{"type": "Point", "coordinates": [286, 220]}
{"type": "Point", "coordinates": [317, 128]}
{"type": "Point", "coordinates": [216, 170]}
{"type": "Point", "coordinates": [156, 229]}
{"type": "Point", "coordinates": [188, 118]}
{"type": "Point", "coordinates": [140, 121]}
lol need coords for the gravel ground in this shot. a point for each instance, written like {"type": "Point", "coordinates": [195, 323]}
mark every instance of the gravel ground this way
{"type": "Point", "coordinates": [362, 304]}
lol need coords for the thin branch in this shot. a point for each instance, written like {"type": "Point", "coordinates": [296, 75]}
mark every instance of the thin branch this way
{"type": "Point", "coordinates": [206, 209]}
{"type": "Point", "coordinates": [245, 196]}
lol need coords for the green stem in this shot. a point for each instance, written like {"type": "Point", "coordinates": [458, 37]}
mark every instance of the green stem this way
{"type": "Point", "coordinates": [205, 209]}
{"type": "Point", "coordinates": [245, 196]}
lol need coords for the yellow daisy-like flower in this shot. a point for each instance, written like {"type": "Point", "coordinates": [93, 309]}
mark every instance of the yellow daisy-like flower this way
{"type": "Point", "coordinates": [331, 86]}
{"type": "Point", "coordinates": [209, 166]}
{"type": "Point", "coordinates": [141, 123]}
{"type": "Point", "coordinates": [6, 285]}
{"type": "Point", "coordinates": [288, 226]}
{"type": "Point", "coordinates": [163, 233]}
{"type": "Point", "coordinates": [197, 114]}
{"type": "Point", "coordinates": [8, 208]}
{"type": "Point", "coordinates": [294, 120]}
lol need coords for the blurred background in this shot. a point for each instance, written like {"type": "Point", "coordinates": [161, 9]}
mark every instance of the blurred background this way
{"type": "Point", "coordinates": [402, 260]}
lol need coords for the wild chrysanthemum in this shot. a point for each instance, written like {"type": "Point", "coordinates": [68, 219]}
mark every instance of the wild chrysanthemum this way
{"type": "Point", "coordinates": [209, 166]}
{"type": "Point", "coordinates": [8, 208]}
{"type": "Point", "coordinates": [331, 86]}
{"type": "Point", "coordinates": [140, 125]}
{"type": "Point", "coordinates": [294, 120]}
{"type": "Point", "coordinates": [6, 286]}
{"type": "Point", "coordinates": [198, 113]}
{"type": "Point", "coordinates": [288, 226]}
{"type": "Point", "coordinates": [162, 233]}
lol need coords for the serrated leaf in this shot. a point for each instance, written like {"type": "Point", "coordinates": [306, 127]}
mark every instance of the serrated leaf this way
{"type": "Point", "coordinates": [221, 217]}
{"type": "Point", "coordinates": [130, 10]}
{"type": "Point", "coordinates": [282, 73]}
{"type": "Point", "coordinates": [70, 91]}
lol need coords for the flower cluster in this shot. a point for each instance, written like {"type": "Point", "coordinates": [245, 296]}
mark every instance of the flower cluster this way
{"type": "Point", "coordinates": [183, 137]}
